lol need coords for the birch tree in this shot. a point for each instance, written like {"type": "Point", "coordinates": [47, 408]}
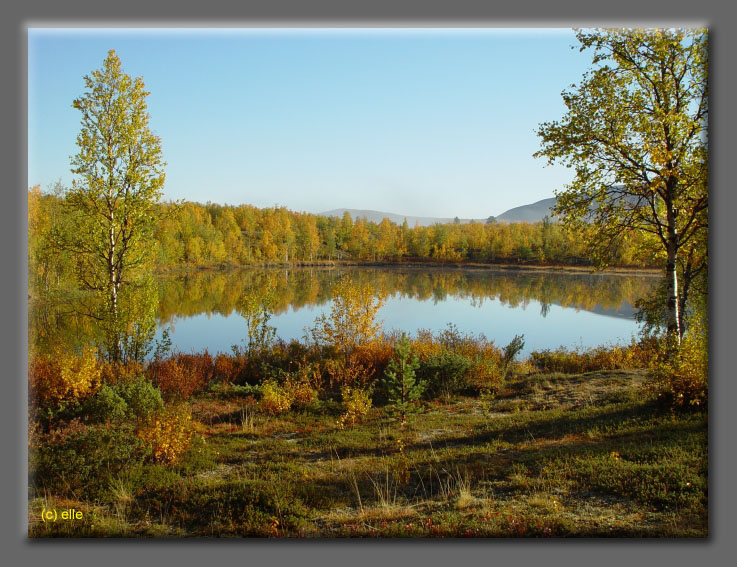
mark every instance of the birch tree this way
{"type": "Point", "coordinates": [635, 134]}
{"type": "Point", "coordinates": [120, 178]}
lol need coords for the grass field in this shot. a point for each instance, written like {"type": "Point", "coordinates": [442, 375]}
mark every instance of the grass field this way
{"type": "Point", "coordinates": [551, 455]}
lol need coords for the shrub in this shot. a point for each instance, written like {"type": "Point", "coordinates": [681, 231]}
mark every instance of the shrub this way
{"type": "Point", "coordinates": [681, 378]}
{"type": "Point", "coordinates": [425, 345]}
{"type": "Point", "coordinates": [613, 357]}
{"type": "Point", "coordinates": [309, 372]}
{"type": "Point", "coordinates": [201, 365]}
{"type": "Point", "coordinates": [105, 405]}
{"type": "Point", "coordinates": [275, 399]}
{"type": "Point", "coordinates": [143, 400]}
{"type": "Point", "coordinates": [373, 356]}
{"type": "Point", "coordinates": [347, 372]}
{"type": "Point", "coordinates": [484, 374]}
{"type": "Point", "coordinates": [227, 368]}
{"type": "Point", "coordinates": [301, 392]}
{"type": "Point", "coordinates": [114, 372]}
{"type": "Point", "coordinates": [229, 390]}
{"type": "Point", "coordinates": [81, 460]}
{"type": "Point", "coordinates": [168, 434]}
{"type": "Point", "coordinates": [357, 403]}
{"type": "Point", "coordinates": [467, 344]}
{"type": "Point", "coordinates": [182, 375]}
{"type": "Point", "coordinates": [483, 361]}
{"type": "Point", "coordinates": [63, 376]}
{"type": "Point", "coordinates": [445, 374]}
{"type": "Point", "coordinates": [351, 321]}
{"type": "Point", "coordinates": [510, 351]}
{"type": "Point", "coordinates": [134, 400]}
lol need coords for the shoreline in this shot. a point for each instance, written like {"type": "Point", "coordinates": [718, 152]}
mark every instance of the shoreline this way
{"type": "Point", "coordinates": [447, 266]}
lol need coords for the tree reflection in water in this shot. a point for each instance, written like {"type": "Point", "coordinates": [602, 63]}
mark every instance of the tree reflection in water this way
{"type": "Point", "coordinates": [218, 292]}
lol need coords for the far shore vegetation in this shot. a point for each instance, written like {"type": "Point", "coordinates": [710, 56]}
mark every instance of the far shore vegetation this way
{"type": "Point", "coordinates": [196, 235]}
{"type": "Point", "coordinates": [356, 430]}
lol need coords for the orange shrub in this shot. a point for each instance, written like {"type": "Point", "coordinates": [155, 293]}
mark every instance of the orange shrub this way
{"type": "Point", "coordinates": [171, 378]}
{"type": "Point", "coordinates": [347, 372]}
{"type": "Point", "coordinates": [35, 432]}
{"type": "Point", "coordinates": [425, 345]}
{"type": "Point", "coordinates": [484, 373]}
{"type": "Point", "coordinates": [373, 357]}
{"type": "Point", "coordinates": [309, 373]}
{"type": "Point", "coordinates": [182, 375]}
{"type": "Point", "coordinates": [227, 368]}
{"type": "Point", "coordinates": [114, 372]}
{"type": "Point", "coordinates": [169, 434]}
{"type": "Point", "coordinates": [301, 392]}
{"type": "Point", "coordinates": [63, 376]}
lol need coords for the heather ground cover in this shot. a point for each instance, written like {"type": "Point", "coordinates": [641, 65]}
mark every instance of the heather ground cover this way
{"type": "Point", "coordinates": [545, 454]}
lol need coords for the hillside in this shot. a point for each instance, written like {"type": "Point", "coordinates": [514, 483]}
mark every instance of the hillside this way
{"type": "Point", "coordinates": [378, 216]}
{"type": "Point", "coordinates": [533, 212]}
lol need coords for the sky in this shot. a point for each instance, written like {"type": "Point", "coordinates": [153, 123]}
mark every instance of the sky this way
{"type": "Point", "coordinates": [418, 122]}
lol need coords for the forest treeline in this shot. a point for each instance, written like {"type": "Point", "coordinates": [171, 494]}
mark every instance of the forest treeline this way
{"type": "Point", "coordinates": [193, 234]}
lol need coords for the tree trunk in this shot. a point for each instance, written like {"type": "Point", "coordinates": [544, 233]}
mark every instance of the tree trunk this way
{"type": "Point", "coordinates": [114, 340]}
{"type": "Point", "coordinates": [671, 266]}
{"type": "Point", "coordinates": [673, 322]}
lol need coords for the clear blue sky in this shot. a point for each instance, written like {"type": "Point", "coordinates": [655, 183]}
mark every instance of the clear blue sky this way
{"type": "Point", "coordinates": [415, 122]}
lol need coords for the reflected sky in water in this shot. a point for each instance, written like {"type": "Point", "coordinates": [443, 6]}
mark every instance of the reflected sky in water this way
{"type": "Point", "coordinates": [545, 326]}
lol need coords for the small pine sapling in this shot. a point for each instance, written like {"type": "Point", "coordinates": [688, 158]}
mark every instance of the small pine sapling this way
{"type": "Point", "coordinates": [510, 351]}
{"type": "Point", "coordinates": [402, 388]}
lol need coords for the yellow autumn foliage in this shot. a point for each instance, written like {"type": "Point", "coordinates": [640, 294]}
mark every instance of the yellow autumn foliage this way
{"type": "Point", "coordinates": [357, 403]}
{"type": "Point", "coordinates": [682, 379]}
{"type": "Point", "coordinates": [275, 399]}
{"type": "Point", "coordinates": [300, 391]}
{"type": "Point", "coordinates": [63, 375]}
{"type": "Point", "coordinates": [169, 434]}
{"type": "Point", "coordinates": [352, 318]}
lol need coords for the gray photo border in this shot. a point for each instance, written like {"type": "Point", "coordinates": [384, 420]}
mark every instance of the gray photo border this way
{"type": "Point", "coordinates": [17, 17]}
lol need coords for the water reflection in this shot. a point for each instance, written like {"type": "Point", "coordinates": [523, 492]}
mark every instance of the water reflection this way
{"type": "Point", "coordinates": [551, 308]}
{"type": "Point", "coordinates": [218, 292]}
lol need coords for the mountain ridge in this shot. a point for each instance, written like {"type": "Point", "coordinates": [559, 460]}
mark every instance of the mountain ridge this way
{"type": "Point", "coordinates": [533, 212]}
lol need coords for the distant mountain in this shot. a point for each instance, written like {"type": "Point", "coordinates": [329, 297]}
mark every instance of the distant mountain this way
{"type": "Point", "coordinates": [526, 213]}
{"type": "Point", "coordinates": [529, 213]}
{"type": "Point", "coordinates": [378, 216]}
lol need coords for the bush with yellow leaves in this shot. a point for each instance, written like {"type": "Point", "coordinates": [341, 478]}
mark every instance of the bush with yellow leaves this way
{"type": "Point", "coordinates": [681, 378]}
{"type": "Point", "coordinates": [275, 398]}
{"type": "Point", "coordinates": [357, 403]}
{"type": "Point", "coordinates": [637, 354]}
{"type": "Point", "coordinates": [168, 434]}
{"type": "Point", "coordinates": [63, 376]}
{"type": "Point", "coordinates": [351, 323]}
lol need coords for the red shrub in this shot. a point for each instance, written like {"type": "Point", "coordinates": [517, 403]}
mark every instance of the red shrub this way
{"type": "Point", "coordinates": [181, 375]}
{"type": "Point", "coordinates": [227, 368]}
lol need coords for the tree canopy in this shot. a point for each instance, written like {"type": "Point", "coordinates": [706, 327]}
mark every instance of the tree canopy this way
{"type": "Point", "coordinates": [113, 206]}
{"type": "Point", "coordinates": [635, 133]}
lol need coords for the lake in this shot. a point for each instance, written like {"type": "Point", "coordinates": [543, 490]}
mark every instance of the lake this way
{"type": "Point", "coordinates": [550, 308]}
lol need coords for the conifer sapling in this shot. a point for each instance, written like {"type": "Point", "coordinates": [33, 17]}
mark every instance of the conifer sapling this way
{"type": "Point", "coordinates": [403, 390]}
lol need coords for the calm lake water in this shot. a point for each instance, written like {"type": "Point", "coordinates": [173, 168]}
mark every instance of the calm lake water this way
{"type": "Point", "coordinates": [551, 309]}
